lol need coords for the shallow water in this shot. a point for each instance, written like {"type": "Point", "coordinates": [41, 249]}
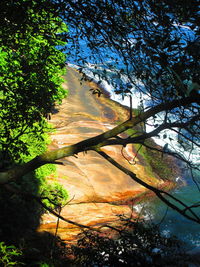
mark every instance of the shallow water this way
{"type": "Point", "coordinates": [171, 222]}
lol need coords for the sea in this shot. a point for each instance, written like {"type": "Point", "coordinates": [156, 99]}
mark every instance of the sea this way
{"type": "Point", "coordinates": [169, 221]}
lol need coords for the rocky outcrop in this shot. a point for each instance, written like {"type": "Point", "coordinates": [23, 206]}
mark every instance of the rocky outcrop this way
{"type": "Point", "coordinates": [97, 189]}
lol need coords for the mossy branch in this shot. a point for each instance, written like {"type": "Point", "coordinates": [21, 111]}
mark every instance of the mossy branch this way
{"type": "Point", "coordinates": [90, 143]}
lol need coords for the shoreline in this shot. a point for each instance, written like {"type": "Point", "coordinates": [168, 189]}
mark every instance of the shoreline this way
{"type": "Point", "coordinates": [105, 93]}
{"type": "Point", "coordinates": [80, 116]}
{"type": "Point", "coordinates": [170, 160]}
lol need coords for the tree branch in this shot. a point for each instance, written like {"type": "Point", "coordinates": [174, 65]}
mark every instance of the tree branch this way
{"type": "Point", "coordinates": [90, 143]}
{"type": "Point", "coordinates": [158, 192]}
{"type": "Point", "coordinates": [144, 136]}
{"type": "Point", "coordinates": [39, 200]}
{"type": "Point", "coordinates": [174, 154]}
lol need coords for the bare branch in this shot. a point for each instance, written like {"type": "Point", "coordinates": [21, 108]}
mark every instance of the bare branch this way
{"type": "Point", "coordinates": [39, 200]}
{"type": "Point", "coordinates": [171, 153]}
{"type": "Point", "coordinates": [131, 107]}
{"type": "Point", "coordinates": [155, 132]}
{"type": "Point", "coordinates": [92, 143]}
{"type": "Point", "coordinates": [158, 192]}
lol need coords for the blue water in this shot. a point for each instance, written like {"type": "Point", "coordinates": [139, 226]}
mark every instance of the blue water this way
{"type": "Point", "coordinates": [172, 223]}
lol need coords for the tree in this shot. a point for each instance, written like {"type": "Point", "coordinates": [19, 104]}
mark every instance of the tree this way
{"type": "Point", "coordinates": [31, 69]}
{"type": "Point", "coordinates": [155, 46]}
{"type": "Point", "coordinates": [30, 84]}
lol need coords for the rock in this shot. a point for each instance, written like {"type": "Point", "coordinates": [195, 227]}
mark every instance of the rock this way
{"type": "Point", "coordinates": [94, 185]}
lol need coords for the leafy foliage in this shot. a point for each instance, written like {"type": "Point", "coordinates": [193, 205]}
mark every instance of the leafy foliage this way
{"type": "Point", "coordinates": [20, 206]}
{"type": "Point", "coordinates": [146, 45]}
{"type": "Point", "coordinates": [141, 245]}
{"type": "Point", "coordinates": [154, 44]}
{"type": "Point", "coordinates": [55, 194]}
{"type": "Point", "coordinates": [9, 255]}
{"type": "Point", "coordinates": [31, 69]}
{"type": "Point", "coordinates": [32, 64]}
{"type": "Point", "coordinates": [150, 48]}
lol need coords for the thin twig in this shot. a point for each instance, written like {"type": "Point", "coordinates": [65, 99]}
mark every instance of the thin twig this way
{"type": "Point", "coordinates": [159, 193]}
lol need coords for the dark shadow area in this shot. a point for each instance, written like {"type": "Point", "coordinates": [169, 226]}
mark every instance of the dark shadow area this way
{"type": "Point", "coordinates": [45, 248]}
{"type": "Point", "coordinates": [20, 216]}
{"type": "Point", "coordinates": [54, 110]}
{"type": "Point", "coordinates": [138, 243]}
{"type": "Point", "coordinates": [141, 244]}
